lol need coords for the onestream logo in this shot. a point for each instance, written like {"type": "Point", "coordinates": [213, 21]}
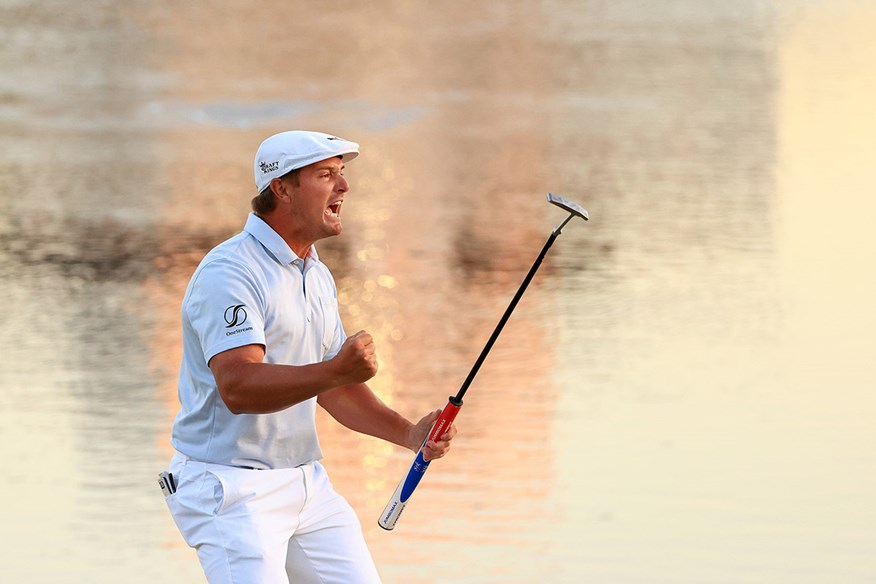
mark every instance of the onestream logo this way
{"type": "Point", "coordinates": [235, 316]}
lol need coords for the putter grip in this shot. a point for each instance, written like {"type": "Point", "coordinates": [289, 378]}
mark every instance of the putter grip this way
{"type": "Point", "coordinates": [405, 488]}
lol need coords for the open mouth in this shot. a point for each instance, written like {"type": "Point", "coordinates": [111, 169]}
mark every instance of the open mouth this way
{"type": "Point", "coordinates": [335, 208]}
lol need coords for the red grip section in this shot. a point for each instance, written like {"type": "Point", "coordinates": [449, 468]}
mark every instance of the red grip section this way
{"type": "Point", "coordinates": [444, 420]}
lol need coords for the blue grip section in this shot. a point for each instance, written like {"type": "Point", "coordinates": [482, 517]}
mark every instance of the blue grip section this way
{"type": "Point", "coordinates": [418, 469]}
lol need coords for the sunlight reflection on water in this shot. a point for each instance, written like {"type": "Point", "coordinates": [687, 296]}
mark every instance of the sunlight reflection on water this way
{"type": "Point", "coordinates": [683, 394]}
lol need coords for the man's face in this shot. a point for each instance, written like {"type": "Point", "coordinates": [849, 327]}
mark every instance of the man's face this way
{"type": "Point", "coordinates": [315, 202]}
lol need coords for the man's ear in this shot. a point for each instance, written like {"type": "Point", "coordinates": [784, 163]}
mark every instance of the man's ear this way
{"type": "Point", "coordinates": [278, 188]}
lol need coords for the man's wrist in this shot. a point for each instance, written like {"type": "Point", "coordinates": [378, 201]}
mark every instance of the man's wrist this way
{"type": "Point", "coordinates": [414, 440]}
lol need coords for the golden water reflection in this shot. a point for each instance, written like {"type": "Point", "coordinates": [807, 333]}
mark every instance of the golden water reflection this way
{"type": "Point", "coordinates": [684, 390]}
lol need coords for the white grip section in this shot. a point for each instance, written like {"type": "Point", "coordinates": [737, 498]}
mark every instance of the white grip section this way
{"type": "Point", "coordinates": [393, 509]}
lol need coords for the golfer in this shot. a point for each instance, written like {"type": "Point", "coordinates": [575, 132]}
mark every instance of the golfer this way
{"type": "Point", "coordinates": [263, 344]}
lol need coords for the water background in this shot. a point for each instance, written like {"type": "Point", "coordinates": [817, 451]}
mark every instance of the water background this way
{"type": "Point", "coordinates": [686, 392]}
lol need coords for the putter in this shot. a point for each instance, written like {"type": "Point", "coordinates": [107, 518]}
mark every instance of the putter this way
{"type": "Point", "coordinates": [405, 488]}
{"type": "Point", "coordinates": [575, 210]}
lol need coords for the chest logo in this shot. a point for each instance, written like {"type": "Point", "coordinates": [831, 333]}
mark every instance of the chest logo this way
{"type": "Point", "coordinates": [235, 315]}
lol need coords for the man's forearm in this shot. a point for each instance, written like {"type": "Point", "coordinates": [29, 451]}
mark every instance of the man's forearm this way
{"type": "Point", "coordinates": [250, 386]}
{"type": "Point", "coordinates": [263, 388]}
{"type": "Point", "coordinates": [359, 409]}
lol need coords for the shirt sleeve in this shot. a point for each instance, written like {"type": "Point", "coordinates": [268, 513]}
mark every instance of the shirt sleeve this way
{"type": "Point", "coordinates": [225, 308]}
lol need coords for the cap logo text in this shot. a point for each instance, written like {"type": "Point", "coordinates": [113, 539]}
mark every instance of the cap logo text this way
{"type": "Point", "coordinates": [269, 166]}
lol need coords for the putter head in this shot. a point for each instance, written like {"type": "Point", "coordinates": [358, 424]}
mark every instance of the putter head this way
{"type": "Point", "coordinates": [567, 205]}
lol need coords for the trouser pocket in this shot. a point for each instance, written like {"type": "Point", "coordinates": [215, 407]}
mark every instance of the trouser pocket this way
{"type": "Point", "coordinates": [201, 495]}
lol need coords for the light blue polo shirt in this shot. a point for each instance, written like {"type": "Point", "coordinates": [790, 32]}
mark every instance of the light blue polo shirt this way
{"type": "Point", "coordinates": [253, 289]}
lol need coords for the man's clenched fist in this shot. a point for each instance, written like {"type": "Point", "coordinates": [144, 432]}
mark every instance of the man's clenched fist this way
{"type": "Point", "coordinates": [357, 360]}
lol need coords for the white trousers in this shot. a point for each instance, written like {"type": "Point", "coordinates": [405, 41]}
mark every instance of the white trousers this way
{"type": "Point", "coordinates": [282, 526]}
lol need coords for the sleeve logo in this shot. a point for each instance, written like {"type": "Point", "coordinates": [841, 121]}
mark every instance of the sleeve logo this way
{"type": "Point", "coordinates": [235, 315]}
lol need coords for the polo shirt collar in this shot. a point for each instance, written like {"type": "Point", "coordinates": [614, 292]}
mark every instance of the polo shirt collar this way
{"type": "Point", "coordinates": [272, 241]}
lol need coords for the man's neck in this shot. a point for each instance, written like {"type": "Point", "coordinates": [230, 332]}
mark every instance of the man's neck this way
{"type": "Point", "coordinates": [298, 244]}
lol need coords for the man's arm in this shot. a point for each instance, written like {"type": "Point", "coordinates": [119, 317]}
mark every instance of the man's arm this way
{"type": "Point", "coordinates": [249, 386]}
{"type": "Point", "coordinates": [359, 409]}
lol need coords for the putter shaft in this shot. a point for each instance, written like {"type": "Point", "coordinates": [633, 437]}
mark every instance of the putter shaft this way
{"type": "Point", "coordinates": [575, 210]}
